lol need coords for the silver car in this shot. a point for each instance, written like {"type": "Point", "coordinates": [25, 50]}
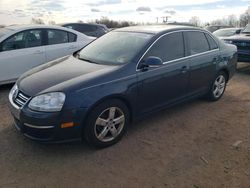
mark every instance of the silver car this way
{"type": "Point", "coordinates": [25, 47]}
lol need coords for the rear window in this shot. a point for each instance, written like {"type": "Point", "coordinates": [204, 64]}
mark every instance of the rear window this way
{"type": "Point", "coordinates": [87, 28]}
{"type": "Point", "coordinates": [213, 45]}
{"type": "Point", "coordinates": [72, 37]}
{"type": "Point", "coordinates": [57, 37]}
{"type": "Point", "coordinates": [197, 42]}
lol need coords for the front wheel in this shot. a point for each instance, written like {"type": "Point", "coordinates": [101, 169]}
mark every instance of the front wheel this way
{"type": "Point", "coordinates": [218, 87]}
{"type": "Point", "coordinates": [106, 123]}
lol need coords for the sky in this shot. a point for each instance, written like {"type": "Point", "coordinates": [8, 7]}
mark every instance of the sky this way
{"type": "Point", "coordinates": [61, 11]}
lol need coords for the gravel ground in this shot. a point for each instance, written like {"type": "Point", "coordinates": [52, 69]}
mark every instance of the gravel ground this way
{"type": "Point", "coordinates": [197, 144]}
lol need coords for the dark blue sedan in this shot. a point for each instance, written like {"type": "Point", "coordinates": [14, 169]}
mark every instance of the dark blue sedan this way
{"type": "Point", "coordinates": [122, 76]}
{"type": "Point", "coordinates": [242, 41]}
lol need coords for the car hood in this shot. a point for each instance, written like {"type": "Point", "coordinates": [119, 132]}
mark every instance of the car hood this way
{"type": "Point", "coordinates": [60, 75]}
{"type": "Point", "coordinates": [239, 37]}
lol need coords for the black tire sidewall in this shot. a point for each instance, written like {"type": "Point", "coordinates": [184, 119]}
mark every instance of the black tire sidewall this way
{"type": "Point", "coordinates": [89, 127]}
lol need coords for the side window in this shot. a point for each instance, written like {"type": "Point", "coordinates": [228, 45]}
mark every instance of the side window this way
{"type": "Point", "coordinates": [57, 37]}
{"type": "Point", "coordinates": [213, 45]}
{"type": "Point", "coordinates": [26, 39]}
{"type": "Point", "coordinates": [197, 42]}
{"type": "Point", "coordinates": [169, 47]}
{"type": "Point", "coordinates": [72, 37]}
{"type": "Point", "coordinates": [87, 28]}
{"type": "Point", "coordinates": [69, 26]}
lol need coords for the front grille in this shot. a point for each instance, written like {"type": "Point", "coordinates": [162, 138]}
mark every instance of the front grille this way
{"type": "Point", "coordinates": [241, 45]}
{"type": "Point", "coordinates": [21, 99]}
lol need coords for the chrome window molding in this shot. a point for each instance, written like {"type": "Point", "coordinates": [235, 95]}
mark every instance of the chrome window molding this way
{"type": "Point", "coordinates": [183, 58]}
{"type": "Point", "coordinates": [186, 57]}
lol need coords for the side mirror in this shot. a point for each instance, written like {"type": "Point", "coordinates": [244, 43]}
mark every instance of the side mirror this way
{"type": "Point", "coordinates": [151, 61]}
{"type": "Point", "coordinates": [238, 31]}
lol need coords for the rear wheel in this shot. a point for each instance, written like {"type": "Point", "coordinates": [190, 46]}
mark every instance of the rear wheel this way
{"type": "Point", "coordinates": [106, 123]}
{"type": "Point", "coordinates": [218, 87]}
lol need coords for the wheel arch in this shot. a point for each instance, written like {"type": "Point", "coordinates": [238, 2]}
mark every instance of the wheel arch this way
{"type": "Point", "coordinates": [115, 96]}
{"type": "Point", "coordinates": [226, 71]}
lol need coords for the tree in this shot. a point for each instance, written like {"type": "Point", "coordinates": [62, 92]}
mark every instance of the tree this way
{"type": "Point", "coordinates": [37, 21]}
{"type": "Point", "coordinates": [113, 24]}
{"type": "Point", "coordinates": [245, 18]}
{"type": "Point", "coordinates": [232, 20]}
{"type": "Point", "coordinates": [51, 22]}
{"type": "Point", "coordinates": [195, 21]}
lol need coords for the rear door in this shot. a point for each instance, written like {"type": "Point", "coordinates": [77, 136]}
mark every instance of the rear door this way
{"type": "Point", "coordinates": [166, 84]}
{"type": "Point", "coordinates": [20, 53]}
{"type": "Point", "coordinates": [204, 54]}
{"type": "Point", "coordinates": [60, 43]}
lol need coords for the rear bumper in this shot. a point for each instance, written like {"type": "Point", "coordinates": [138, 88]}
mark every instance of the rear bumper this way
{"type": "Point", "coordinates": [46, 127]}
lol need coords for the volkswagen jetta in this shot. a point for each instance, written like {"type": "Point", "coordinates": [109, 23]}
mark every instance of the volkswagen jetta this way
{"type": "Point", "coordinates": [124, 75]}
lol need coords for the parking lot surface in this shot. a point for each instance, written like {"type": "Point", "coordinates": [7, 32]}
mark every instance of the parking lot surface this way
{"type": "Point", "coordinates": [198, 144]}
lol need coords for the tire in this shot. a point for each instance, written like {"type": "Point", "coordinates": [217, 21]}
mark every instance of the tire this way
{"type": "Point", "coordinates": [218, 87]}
{"type": "Point", "coordinates": [106, 123]}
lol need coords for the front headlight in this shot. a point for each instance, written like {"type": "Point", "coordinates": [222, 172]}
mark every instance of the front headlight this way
{"type": "Point", "coordinates": [228, 41]}
{"type": "Point", "coordinates": [49, 102]}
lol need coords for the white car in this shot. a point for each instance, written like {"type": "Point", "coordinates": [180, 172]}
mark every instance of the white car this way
{"type": "Point", "coordinates": [25, 47]}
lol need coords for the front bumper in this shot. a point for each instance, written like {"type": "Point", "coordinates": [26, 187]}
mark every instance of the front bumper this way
{"type": "Point", "coordinates": [46, 127]}
{"type": "Point", "coordinates": [244, 56]}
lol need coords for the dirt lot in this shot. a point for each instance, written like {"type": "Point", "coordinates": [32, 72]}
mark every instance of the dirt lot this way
{"type": "Point", "coordinates": [190, 145]}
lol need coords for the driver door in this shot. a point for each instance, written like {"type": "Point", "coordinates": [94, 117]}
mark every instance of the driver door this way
{"type": "Point", "coordinates": [166, 84]}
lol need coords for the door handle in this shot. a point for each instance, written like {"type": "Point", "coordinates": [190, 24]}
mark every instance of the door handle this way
{"type": "Point", "coordinates": [184, 69]}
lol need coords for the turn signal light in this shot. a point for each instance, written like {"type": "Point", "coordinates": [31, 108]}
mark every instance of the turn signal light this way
{"type": "Point", "coordinates": [66, 125]}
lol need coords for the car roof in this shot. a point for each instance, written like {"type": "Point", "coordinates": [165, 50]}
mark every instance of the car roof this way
{"type": "Point", "coordinates": [95, 24]}
{"type": "Point", "coordinates": [18, 28]}
{"type": "Point", "coordinates": [155, 29]}
{"type": "Point", "coordinates": [227, 29]}
{"type": "Point", "coordinates": [32, 26]}
{"type": "Point", "coordinates": [218, 26]}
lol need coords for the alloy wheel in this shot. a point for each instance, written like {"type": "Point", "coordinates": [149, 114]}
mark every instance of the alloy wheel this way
{"type": "Point", "coordinates": [219, 86]}
{"type": "Point", "coordinates": [109, 124]}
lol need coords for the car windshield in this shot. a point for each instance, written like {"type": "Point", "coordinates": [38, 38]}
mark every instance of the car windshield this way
{"type": "Point", "coordinates": [115, 48]}
{"type": "Point", "coordinates": [225, 32]}
{"type": "Point", "coordinates": [3, 31]}
{"type": "Point", "coordinates": [247, 29]}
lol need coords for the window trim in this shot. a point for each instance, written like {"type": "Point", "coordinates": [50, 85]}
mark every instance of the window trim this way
{"type": "Point", "coordinates": [186, 55]}
{"type": "Point", "coordinates": [43, 39]}
{"type": "Point", "coordinates": [206, 34]}
{"type": "Point", "coordinates": [188, 44]}
{"type": "Point", "coordinates": [47, 36]}
{"type": "Point", "coordinates": [183, 41]}
{"type": "Point", "coordinates": [75, 35]}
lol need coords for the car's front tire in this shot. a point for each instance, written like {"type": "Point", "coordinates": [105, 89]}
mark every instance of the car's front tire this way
{"type": "Point", "coordinates": [106, 123]}
{"type": "Point", "coordinates": [218, 87]}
